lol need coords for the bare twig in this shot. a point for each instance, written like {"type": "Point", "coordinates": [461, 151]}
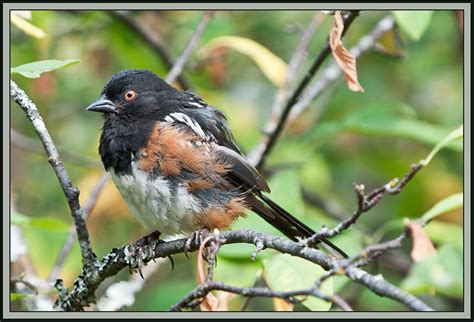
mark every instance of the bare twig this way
{"type": "Point", "coordinates": [178, 66]}
{"type": "Point", "coordinates": [88, 207]}
{"type": "Point", "coordinates": [71, 192]}
{"type": "Point", "coordinates": [28, 144]}
{"type": "Point", "coordinates": [325, 52]}
{"type": "Point", "coordinates": [365, 203]}
{"type": "Point", "coordinates": [192, 299]}
{"type": "Point", "coordinates": [153, 39]}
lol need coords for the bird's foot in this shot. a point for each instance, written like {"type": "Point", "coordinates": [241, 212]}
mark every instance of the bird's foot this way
{"type": "Point", "coordinates": [143, 249]}
{"type": "Point", "coordinates": [197, 236]}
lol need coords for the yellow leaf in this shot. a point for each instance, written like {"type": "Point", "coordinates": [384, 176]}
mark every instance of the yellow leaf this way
{"type": "Point", "coordinates": [343, 57]}
{"type": "Point", "coordinates": [27, 27]}
{"type": "Point", "coordinates": [272, 66]}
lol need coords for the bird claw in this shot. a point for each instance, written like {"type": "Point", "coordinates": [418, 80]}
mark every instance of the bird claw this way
{"type": "Point", "coordinates": [197, 236]}
{"type": "Point", "coordinates": [141, 249]}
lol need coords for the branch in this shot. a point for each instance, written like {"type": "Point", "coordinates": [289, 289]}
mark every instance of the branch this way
{"type": "Point", "coordinates": [192, 299]}
{"type": "Point", "coordinates": [71, 192]}
{"type": "Point", "coordinates": [178, 66]}
{"type": "Point", "coordinates": [85, 286]}
{"type": "Point", "coordinates": [153, 39]}
{"type": "Point", "coordinates": [325, 52]}
{"type": "Point", "coordinates": [365, 203]}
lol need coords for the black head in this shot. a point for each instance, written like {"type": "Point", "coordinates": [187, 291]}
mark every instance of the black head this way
{"type": "Point", "coordinates": [132, 92]}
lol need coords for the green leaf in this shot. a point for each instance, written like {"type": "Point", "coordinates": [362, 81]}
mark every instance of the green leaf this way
{"type": "Point", "coordinates": [441, 273]}
{"type": "Point", "coordinates": [454, 135]}
{"type": "Point", "coordinates": [47, 223]}
{"type": "Point", "coordinates": [288, 273]}
{"type": "Point", "coordinates": [17, 296]}
{"type": "Point", "coordinates": [35, 69]}
{"type": "Point", "coordinates": [414, 23]}
{"type": "Point", "coordinates": [386, 119]}
{"type": "Point", "coordinates": [447, 204]}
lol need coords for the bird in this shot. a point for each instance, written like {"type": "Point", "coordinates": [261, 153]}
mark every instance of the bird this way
{"type": "Point", "coordinates": [176, 163]}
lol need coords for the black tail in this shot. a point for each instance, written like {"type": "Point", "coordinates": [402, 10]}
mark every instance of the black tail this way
{"type": "Point", "coordinates": [286, 223]}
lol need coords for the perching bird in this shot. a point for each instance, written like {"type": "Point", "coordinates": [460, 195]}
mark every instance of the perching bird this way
{"type": "Point", "coordinates": [175, 161]}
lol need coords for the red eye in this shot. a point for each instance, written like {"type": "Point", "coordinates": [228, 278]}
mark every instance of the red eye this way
{"type": "Point", "coordinates": [130, 95]}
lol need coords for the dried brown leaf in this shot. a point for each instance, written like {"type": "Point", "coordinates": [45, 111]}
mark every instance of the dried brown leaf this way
{"type": "Point", "coordinates": [343, 57]}
{"type": "Point", "coordinates": [422, 246]}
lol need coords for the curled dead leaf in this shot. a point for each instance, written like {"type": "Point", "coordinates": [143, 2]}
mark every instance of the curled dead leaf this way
{"type": "Point", "coordinates": [422, 246]}
{"type": "Point", "coordinates": [343, 57]}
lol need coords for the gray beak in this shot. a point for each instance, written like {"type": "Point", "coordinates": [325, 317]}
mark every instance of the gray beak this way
{"type": "Point", "coordinates": [102, 105]}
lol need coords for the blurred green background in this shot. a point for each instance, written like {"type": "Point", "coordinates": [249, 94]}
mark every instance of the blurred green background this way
{"type": "Point", "coordinates": [409, 105]}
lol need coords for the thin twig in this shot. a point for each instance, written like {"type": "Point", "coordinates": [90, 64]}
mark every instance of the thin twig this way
{"type": "Point", "coordinates": [189, 301]}
{"type": "Point", "coordinates": [88, 207]}
{"type": "Point", "coordinates": [178, 66]}
{"type": "Point", "coordinates": [325, 52]}
{"type": "Point", "coordinates": [365, 203]}
{"type": "Point", "coordinates": [71, 192]}
{"type": "Point", "coordinates": [153, 39]}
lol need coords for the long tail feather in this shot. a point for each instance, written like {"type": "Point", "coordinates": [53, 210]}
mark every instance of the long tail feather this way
{"type": "Point", "coordinates": [286, 223]}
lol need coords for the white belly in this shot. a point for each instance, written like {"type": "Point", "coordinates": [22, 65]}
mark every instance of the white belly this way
{"type": "Point", "coordinates": [155, 204]}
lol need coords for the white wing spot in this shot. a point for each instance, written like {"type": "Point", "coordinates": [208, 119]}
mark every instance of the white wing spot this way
{"type": "Point", "coordinates": [195, 104]}
{"type": "Point", "coordinates": [191, 123]}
